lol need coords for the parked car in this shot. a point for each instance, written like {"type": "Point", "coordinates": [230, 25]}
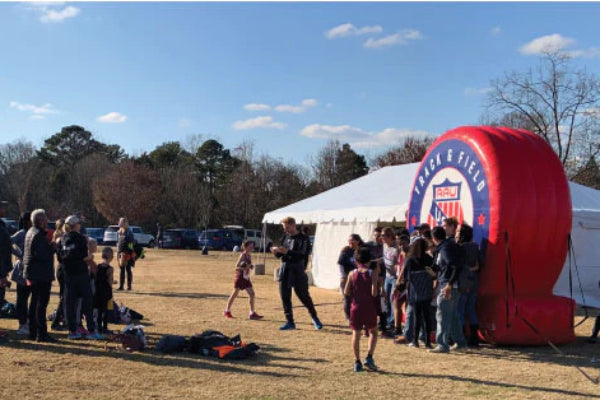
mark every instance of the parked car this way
{"type": "Point", "coordinates": [96, 233]}
{"type": "Point", "coordinates": [253, 235]}
{"type": "Point", "coordinates": [145, 239]}
{"type": "Point", "coordinates": [219, 239]}
{"type": "Point", "coordinates": [180, 239]}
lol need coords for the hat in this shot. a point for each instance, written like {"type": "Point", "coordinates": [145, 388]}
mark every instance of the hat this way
{"type": "Point", "coordinates": [72, 220]}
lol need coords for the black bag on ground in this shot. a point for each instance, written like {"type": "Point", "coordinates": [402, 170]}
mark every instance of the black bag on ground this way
{"type": "Point", "coordinates": [216, 344]}
{"type": "Point", "coordinates": [171, 344]}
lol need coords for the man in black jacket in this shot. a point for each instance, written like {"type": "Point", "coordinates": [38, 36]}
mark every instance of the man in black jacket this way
{"type": "Point", "coordinates": [446, 259]}
{"type": "Point", "coordinates": [293, 252]}
{"type": "Point", "coordinates": [38, 270]}
{"type": "Point", "coordinates": [74, 255]}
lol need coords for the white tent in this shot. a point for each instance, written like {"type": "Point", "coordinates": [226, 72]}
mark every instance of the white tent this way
{"type": "Point", "coordinates": [383, 195]}
{"type": "Point", "coordinates": [354, 207]}
{"type": "Point", "coordinates": [584, 263]}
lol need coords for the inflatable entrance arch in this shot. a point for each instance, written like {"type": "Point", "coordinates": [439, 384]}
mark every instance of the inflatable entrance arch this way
{"type": "Point", "coordinates": [510, 186]}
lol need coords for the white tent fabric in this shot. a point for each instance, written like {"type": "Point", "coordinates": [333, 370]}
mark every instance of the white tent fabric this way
{"type": "Point", "coordinates": [382, 195]}
{"type": "Point", "coordinates": [584, 264]}
{"type": "Point", "coordinates": [354, 207]}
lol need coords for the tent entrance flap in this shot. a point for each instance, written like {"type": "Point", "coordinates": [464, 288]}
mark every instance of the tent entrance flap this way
{"type": "Point", "coordinates": [330, 238]}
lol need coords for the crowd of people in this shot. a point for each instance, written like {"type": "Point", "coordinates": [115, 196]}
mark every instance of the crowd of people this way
{"type": "Point", "coordinates": [85, 286]}
{"type": "Point", "coordinates": [409, 283]}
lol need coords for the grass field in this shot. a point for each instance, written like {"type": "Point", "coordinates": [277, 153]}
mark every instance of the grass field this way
{"type": "Point", "coordinates": [183, 292]}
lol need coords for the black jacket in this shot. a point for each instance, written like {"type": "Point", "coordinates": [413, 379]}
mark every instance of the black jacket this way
{"type": "Point", "coordinates": [73, 249]}
{"type": "Point", "coordinates": [125, 242]}
{"type": "Point", "coordinates": [446, 261]}
{"type": "Point", "coordinates": [5, 250]}
{"type": "Point", "coordinates": [294, 262]}
{"type": "Point", "coordinates": [38, 258]}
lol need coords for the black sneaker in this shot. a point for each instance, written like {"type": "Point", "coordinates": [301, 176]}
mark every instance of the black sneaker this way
{"type": "Point", "coordinates": [358, 366]}
{"type": "Point", "coordinates": [370, 364]}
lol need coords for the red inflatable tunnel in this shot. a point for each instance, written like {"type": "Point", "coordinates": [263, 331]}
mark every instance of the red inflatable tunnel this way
{"type": "Point", "coordinates": [510, 186]}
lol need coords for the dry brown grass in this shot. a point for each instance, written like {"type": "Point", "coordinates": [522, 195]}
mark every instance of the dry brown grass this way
{"type": "Point", "coordinates": [183, 292]}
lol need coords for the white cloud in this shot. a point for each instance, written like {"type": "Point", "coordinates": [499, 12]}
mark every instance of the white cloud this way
{"type": "Point", "coordinates": [392, 40]}
{"type": "Point", "coordinates": [357, 137]}
{"type": "Point", "coordinates": [592, 52]}
{"type": "Point", "coordinates": [496, 30]}
{"type": "Point", "coordinates": [257, 107]}
{"type": "Point", "coordinates": [349, 29]}
{"type": "Point", "coordinates": [557, 43]}
{"type": "Point", "coordinates": [37, 112]}
{"type": "Point", "coordinates": [55, 16]}
{"type": "Point", "coordinates": [471, 91]}
{"type": "Point", "coordinates": [548, 43]}
{"type": "Point", "coordinates": [258, 122]}
{"type": "Point", "coordinates": [304, 105]}
{"type": "Point", "coordinates": [112, 118]}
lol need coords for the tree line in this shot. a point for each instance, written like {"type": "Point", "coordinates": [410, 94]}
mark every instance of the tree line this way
{"type": "Point", "coordinates": [194, 185]}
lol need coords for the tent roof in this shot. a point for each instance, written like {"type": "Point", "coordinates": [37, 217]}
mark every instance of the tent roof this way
{"type": "Point", "coordinates": [382, 195]}
{"type": "Point", "coordinates": [584, 198]}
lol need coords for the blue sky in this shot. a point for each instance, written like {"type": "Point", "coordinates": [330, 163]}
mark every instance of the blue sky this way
{"type": "Point", "coordinates": [286, 76]}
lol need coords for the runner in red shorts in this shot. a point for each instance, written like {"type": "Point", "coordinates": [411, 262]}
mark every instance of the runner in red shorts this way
{"type": "Point", "coordinates": [362, 289]}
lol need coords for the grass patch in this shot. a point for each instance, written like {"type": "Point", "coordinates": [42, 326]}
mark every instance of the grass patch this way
{"type": "Point", "coordinates": [183, 292]}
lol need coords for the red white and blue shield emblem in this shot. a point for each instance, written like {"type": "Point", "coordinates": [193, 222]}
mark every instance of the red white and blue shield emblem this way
{"type": "Point", "coordinates": [446, 203]}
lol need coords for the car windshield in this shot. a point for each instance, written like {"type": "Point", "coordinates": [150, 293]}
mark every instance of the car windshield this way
{"type": "Point", "coordinates": [112, 229]}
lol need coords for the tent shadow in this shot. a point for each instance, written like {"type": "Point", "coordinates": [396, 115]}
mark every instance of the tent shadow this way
{"type": "Point", "coordinates": [532, 389]}
{"type": "Point", "coordinates": [577, 354]}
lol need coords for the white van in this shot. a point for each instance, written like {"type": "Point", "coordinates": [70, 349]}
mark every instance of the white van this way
{"type": "Point", "coordinates": [145, 239]}
{"type": "Point", "coordinates": [254, 235]}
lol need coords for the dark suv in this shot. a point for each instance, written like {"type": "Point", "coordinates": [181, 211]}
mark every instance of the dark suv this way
{"type": "Point", "coordinates": [219, 239]}
{"type": "Point", "coordinates": [180, 239]}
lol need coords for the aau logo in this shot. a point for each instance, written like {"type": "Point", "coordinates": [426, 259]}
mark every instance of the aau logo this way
{"type": "Point", "coordinates": [446, 203]}
{"type": "Point", "coordinates": [451, 182]}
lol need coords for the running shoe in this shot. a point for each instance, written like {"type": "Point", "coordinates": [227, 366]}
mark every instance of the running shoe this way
{"type": "Point", "coordinates": [358, 366]}
{"type": "Point", "coordinates": [370, 364]}
{"type": "Point", "coordinates": [288, 326]}
{"type": "Point", "coordinates": [318, 325]}
{"type": "Point", "coordinates": [255, 316]}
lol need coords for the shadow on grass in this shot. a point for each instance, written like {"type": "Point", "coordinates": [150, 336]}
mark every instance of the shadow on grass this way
{"type": "Point", "coordinates": [497, 384]}
{"type": "Point", "coordinates": [183, 360]}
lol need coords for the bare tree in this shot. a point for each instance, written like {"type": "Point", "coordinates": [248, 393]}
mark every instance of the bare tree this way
{"type": "Point", "coordinates": [128, 190]}
{"type": "Point", "coordinates": [412, 150]}
{"type": "Point", "coordinates": [554, 100]}
{"type": "Point", "coordinates": [18, 165]}
{"type": "Point", "coordinates": [182, 190]}
{"type": "Point", "coordinates": [337, 164]}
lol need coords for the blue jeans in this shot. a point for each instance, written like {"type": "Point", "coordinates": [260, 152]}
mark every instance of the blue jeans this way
{"type": "Point", "coordinates": [447, 321]}
{"type": "Point", "coordinates": [388, 287]}
{"type": "Point", "coordinates": [466, 307]}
